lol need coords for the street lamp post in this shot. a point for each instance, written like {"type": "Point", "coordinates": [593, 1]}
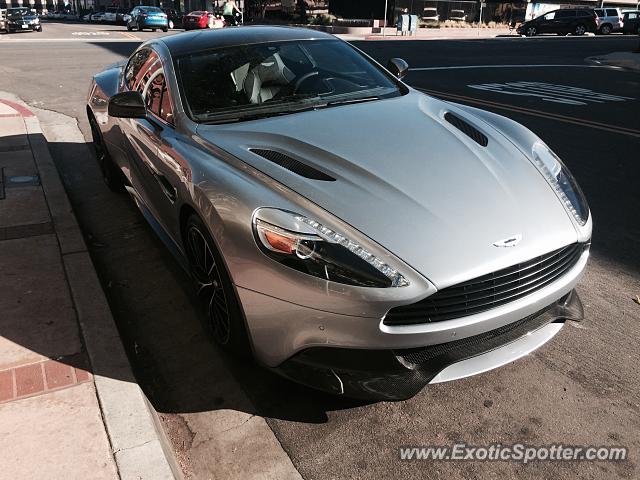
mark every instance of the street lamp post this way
{"type": "Point", "coordinates": [384, 27]}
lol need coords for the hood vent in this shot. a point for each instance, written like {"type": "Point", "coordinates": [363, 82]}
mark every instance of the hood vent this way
{"type": "Point", "coordinates": [292, 164]}
{"type": "Point", "coordinates": [469, 130]}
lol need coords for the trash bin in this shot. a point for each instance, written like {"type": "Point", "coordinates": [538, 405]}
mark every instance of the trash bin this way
{"type": "Point", "coordinates": [403, 24]}
{"type": "Point", "coordinates": [413, 24]}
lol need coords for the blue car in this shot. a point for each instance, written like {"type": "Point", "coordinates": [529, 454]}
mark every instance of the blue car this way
{"type": "Point", "coordinates": [148, 17]}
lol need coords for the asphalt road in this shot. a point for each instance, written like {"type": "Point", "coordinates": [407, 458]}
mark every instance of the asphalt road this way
{"type": "Point", "coordinates": [580, 389]}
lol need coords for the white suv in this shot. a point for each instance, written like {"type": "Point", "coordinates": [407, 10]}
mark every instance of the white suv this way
{"type": "Point", "coordinates": [609, 20]}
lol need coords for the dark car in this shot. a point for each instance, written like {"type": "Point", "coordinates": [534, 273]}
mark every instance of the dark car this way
{"type": "Point", "coordinates": [631, 22]}
{"type": "Point", "coordinates": [22, 19]}
{"type": "Point", "coordinates": [576, 21]}
{"type": "Point", "coordinates": [174, 17]}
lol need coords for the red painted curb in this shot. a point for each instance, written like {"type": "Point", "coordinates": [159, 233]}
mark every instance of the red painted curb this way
{"type": "Point", "coordinates": [23, 111]}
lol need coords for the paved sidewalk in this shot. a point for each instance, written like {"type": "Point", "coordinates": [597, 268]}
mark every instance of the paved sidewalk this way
{"type": "Point", "coordinates": [69, 405]}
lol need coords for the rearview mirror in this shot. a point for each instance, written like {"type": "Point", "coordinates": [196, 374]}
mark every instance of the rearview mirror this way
{"type": "Point", "coordinates": [127, 105]}
{"type": "Point", "coordinates": [398, 67]}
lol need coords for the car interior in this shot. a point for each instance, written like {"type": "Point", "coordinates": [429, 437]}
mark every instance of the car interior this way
{"type": "Point", "coordinates": [239, 76]}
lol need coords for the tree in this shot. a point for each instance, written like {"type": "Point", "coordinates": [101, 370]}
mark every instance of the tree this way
{"type": "Point", "coordinates": [257, 7]}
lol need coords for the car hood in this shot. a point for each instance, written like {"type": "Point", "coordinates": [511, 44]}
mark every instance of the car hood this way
{"type": "Point", "coordinates": [413, 182]}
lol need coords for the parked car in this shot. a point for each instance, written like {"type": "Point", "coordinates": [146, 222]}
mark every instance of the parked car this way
{"type": "Point", "coordinates": [94, 17]}
{"type": "Point", "coordinates": [631, 22]}
{"type": "Point", "coordinates": [576, 21]}
{"type": "Point", "coordinates": [608, 20]}
{"type": "Point", "coordinates": [148, 17]}
{"type": "Point", "coordinates": [3, 19]}
{"type": "Point", "coordinates": [457, 15]}
{"type": "Point", "coordinates": [21, 19]}
{"type": "Point", "coordinates": [342, 258]}
{"type": "Point", "coordinates": [114, 15]}
{"type": "Point", "coordinates": [430, 14]}
{"type": "Point", "coordinates": [202, 19]}
{"type": "Point", "coordinates": [174, 17]}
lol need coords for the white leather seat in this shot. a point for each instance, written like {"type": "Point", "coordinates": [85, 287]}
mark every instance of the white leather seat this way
{"type": "Point", "coordinates": [265, 80]}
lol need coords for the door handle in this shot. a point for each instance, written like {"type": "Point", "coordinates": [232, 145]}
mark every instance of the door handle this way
{"type": "Point", "coordinates": [167, 188]}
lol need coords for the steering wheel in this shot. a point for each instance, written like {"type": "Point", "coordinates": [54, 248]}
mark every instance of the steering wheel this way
{"type": "Point", "coordinates": [303, 79]}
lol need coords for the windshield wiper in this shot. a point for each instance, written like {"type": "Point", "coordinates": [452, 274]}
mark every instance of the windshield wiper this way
{"type": "Point", "coordinates": [353, 100]}
{"type": "Point", "coordinates": [292, 107]}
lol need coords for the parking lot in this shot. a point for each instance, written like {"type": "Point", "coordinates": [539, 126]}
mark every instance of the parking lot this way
{"type": "Point", "coordinates": [580, 389]}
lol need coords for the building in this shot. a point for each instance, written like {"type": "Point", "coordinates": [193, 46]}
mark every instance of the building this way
{"type": "Point", "coordinates": [460, 10]}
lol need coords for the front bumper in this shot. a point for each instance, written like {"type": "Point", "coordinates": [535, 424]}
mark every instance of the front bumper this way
{"type": "Point", "coordinates": [400, 374]}
{"type": "Point", "coordinates": [23, 27]}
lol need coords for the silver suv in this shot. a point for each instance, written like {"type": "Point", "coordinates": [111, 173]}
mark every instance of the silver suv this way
{"type": "Point", "coordinates": [609, 20]}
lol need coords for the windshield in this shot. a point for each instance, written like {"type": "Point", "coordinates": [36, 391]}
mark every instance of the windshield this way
{"type": "Point", "coordinates": [151, 9]}
{"type": "Point", "coordinates": [17, 12]}
{"type": "Point", "coordinates": [243, 82]}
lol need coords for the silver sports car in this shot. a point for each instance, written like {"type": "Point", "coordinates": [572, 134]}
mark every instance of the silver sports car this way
{"type": "Point", "coordinates": [348, 231]}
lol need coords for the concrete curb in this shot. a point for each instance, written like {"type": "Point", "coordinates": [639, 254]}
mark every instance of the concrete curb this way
{"type": "Point", "coordinates": [140, 448]}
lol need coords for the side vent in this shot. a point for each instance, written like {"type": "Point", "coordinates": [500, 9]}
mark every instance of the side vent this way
{"type": "Point", "coordinates": [469, 130]}
{"type": "Point", "coordinates": [292, 164]}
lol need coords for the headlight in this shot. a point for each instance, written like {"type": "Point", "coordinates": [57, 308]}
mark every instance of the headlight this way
{"type": "Point", "coordinates": [305, 245]}
{"type": "Point", "coordinates": [562, 181]}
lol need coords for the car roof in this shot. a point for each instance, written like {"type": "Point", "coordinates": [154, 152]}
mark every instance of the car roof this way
{"type": "Point", "coordinates": [228, 37]}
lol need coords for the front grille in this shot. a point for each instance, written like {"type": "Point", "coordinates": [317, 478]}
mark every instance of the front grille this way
{"type": "Point", "coordinates": [452, 352]}
{"type": "Point", "coordinates": [489, 291]}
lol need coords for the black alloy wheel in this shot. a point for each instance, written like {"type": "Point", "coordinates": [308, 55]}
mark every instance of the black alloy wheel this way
{"type": "Point", "coordinates": [112, 176]}
{"type": "Point", "coordinates": [214, 289]}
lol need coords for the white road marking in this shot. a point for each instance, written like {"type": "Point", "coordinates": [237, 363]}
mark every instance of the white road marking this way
{"type": "Point", "coordinates": [565, 94]}
{"type": "Point", "coordinates": [465, 67]}
{"type": "Point", "coordinates": [62, 40]}
{"type": "Point", "coordinates": [89, 33]}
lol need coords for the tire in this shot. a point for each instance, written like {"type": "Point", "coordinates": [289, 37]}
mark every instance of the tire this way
{"type": "Point", "coordinates": [40, 29]}
{"type": "Point", "coordinates": [580, 30]}
{"type": "Point", "coordinates": [165, 29]}
{"type": "Point", "coordinates": [129, 28]}
{"type": "Point", "coordinates": [139, 28]}
{"type": "Point", "coordinates": [531, 31]}
{"type": "Point", "coordinates": [214, 289]}
{"type": "Point", "coordinates": [112, 176]}
{"type": "Point", "coordinates": [605, 29]}
{"type": "Point", "coordinates": [170, 24]}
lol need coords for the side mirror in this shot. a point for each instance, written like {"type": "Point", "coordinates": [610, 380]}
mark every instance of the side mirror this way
{"type": "Point", "coordinates": [127, 105]}
{"type": "Point", "coordinates": [398, 67]}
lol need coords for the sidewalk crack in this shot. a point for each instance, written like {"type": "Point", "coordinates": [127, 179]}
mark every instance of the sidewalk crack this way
{"type": "Point", "coordinates": [115, 452]}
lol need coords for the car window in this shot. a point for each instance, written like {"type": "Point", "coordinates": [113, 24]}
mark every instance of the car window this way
{"type": "Point", "coordinates": [138, 65]}
{"type": "Point", "coordinates": [565, 13]}
{"type": "Point", "coordinates": [146, 75]}
{"type": "Point", "coordinates": [632, 15]}
{"type": "Point", "coordinates": [584, 13]}
{"type": "Point", "coordinates": [612, 12]}
{"type": "Point", "coordinates": [599, 12]}
{"type": "Point", "coordinates": [549, 16]}
{"type": "Point", "coordinates": [157, 97]}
